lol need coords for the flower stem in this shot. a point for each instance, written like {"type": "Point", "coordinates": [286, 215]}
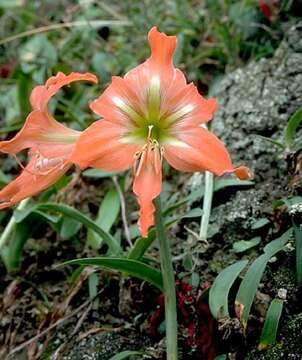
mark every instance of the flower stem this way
{"type": "Point", "coordinates": [207, 205]}
{"type": "Point", "coordinates": [10, 227]}
{"type": "Point", "coordinates": [169, 284]}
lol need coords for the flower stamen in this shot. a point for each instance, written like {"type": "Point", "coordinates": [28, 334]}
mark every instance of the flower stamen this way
{"type": "Point", "coordinates": [151, 153]}
{"type": "Point", "coordinates": [44, 165]}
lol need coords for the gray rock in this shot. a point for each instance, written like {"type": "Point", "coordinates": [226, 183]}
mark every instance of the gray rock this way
{"type": "Point", "coordinates": [103, 346]}
{"type": "Point", "coordinates": [258, 100]}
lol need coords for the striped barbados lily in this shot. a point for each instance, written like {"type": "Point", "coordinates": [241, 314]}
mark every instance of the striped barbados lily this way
{"type": "Point", "coordinates": [50, 143]}
{"type": "Point", "coordinates": [150, 114]}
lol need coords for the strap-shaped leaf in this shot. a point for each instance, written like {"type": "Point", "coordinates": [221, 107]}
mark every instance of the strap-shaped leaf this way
{"type": "Point", "coordinates": [108, 212]}
{"type": "Point", "coordinates": [128, 266]}
{"type": "Point", "coordinates": [219, 292]}
{"type": "Point", "coordinates": [291, 127]}
{"type": "Point", "coordinates": [252, 278]}
{"type": "Point", "coordinates": [85, 220]}
{"type": "Point", "coordinates": [269, 331]}
{"type": "Point", "coordinates": [298, 238]}
{"type": "Point", "coordinates": [125, 355]}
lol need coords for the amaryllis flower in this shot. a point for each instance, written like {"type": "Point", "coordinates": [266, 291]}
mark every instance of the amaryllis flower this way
{"type": "Point", "coordinates": [150, 114]}
{"type": "Point", "coordinates": [50, 143]}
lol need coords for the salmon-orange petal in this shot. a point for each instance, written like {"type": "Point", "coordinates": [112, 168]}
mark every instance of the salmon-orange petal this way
{"type": "Point", "coordinates": [41, 94]}
{"type": "Point", "coordinates": [198, 149]}
{"type": "Point", "coordinates": [147, 186]}
{"type": "Point", "coordinates": [102, 146]}
{"type": "Point", "coordinates": [29, 183]}
{"type": "Point", "coordinates": [39, 128]}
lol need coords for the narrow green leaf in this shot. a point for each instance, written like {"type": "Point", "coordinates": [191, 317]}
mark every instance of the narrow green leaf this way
{"type": "Point", "coordinates": [193, 196]}
{"type": "Point", "coordinates": [291, 127]}
{"type": "Point", "coordinates": [260, 223]}
{"type": "Point", "coordinates": [287, 202]}
{"type": "Point", "coordinates": [128, 266]}
{"type": "Point", "coordinates": [107, 215]}
{"type": "Point", "coordinates": [221, 183]}
{"type": "Point", "coordinates": [85, 220]}
{"type": "Point", "coordinates": [98, 174]}
{"type": "Point", "coordinates": [4, 178]}
{"type": "Point", "coordinates": [252, 278]}
{"type": "Point", "coordinates": [298, 238]}
{"type": "Point", "coordinates": [69, 228]}
{"type": "Point", "coordinates": [24, 89]}
{"type": "Point", "coordinates": [219, 291]}
{"type": "Point", "coordinates": [12, 253]}
{"type": "Point", "coordinates": [141, 245]}
{"type": "Point", "coordinates": [20, 215]}
{"type": "Point", "coordinates": [269, 331]}
{"type": "Point", "coordinates": [125, 355]}
{"type": "Point", "coordinates": [278, 244]}
{"type": "Point", "coordinates": [193, 213]}
{"type": "Point", "coordinates": [272, 141]}
{"type": "Point", "coordinates": [243, 245]}
{"type": "Point", "coordinates": [221, 357]}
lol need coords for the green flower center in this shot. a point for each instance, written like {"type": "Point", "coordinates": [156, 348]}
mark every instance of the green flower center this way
{"type": "Point", "coordinates": [161, 125]}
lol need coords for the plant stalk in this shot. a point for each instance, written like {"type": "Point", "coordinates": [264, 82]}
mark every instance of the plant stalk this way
{"type": "Point", "coordinates": [207, 205]}
{"type": "Point", "coordinates": [10, 227]}
{"type": "Point", "coordinates": [169, 284]}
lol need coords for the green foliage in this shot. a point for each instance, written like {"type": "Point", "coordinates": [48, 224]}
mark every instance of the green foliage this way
{"type": "Point", "coordinates": [108, 212]}
{"type": "Point", "coordinates": [128, 266]}
{"type": "Point", "coordinates": [126, 354]}
{"type": "Point", "coordinates": [291, 129]}
{"type": "Point", "coordinates": [76, 215]}
{"type": "Point", "coordinates": [244, 245]}
{"type": "Point", "coordinates": [298, 238]}
{"type": "Point", "coordinates": [270, 328]}
{"type": "Point", "coordinates": [252, 278]}
{"type": "Point", "coordinates": [219, 291]}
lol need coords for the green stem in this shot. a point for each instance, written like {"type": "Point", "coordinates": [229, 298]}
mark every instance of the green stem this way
{"type": "Point", "coordinates": [10, 227]}
{"type": "Point", "coordinates": [169, 284]}
{"type": "Point", "coordinates": [207, 205]}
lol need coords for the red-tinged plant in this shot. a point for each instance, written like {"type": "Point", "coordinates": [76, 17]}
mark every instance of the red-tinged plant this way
{"type": "Point", "coordinates": [6, 69]}
{"type": "Point", "coordinates": [150, 114]}
{"type": "Point", "coordinates": [194, 317]}
{"type": "Point", "coordinates": [50, 143]}
{"type": "Point", "coordinates": [268, 7]}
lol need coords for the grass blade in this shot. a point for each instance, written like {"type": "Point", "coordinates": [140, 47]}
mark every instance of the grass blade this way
{"type": "Point", "coordinates": [292, 126]}
{"type": "Point", "coordinates": [107, 215]}
{"type": "Point", "coordinates": [298, 238]}
{"type": "Point", "coordinates": [125, 355]}
{"type": "Point", "coordinates": [85, 220]}
{"type": "Point", "coordinates": [244, 245]}
{"type": "Point", "coordinates": [219, 292]}
{"type": "Point", "coordinates": [128, 266]}
{"type": "Point", "coordinates": [269, 331]}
